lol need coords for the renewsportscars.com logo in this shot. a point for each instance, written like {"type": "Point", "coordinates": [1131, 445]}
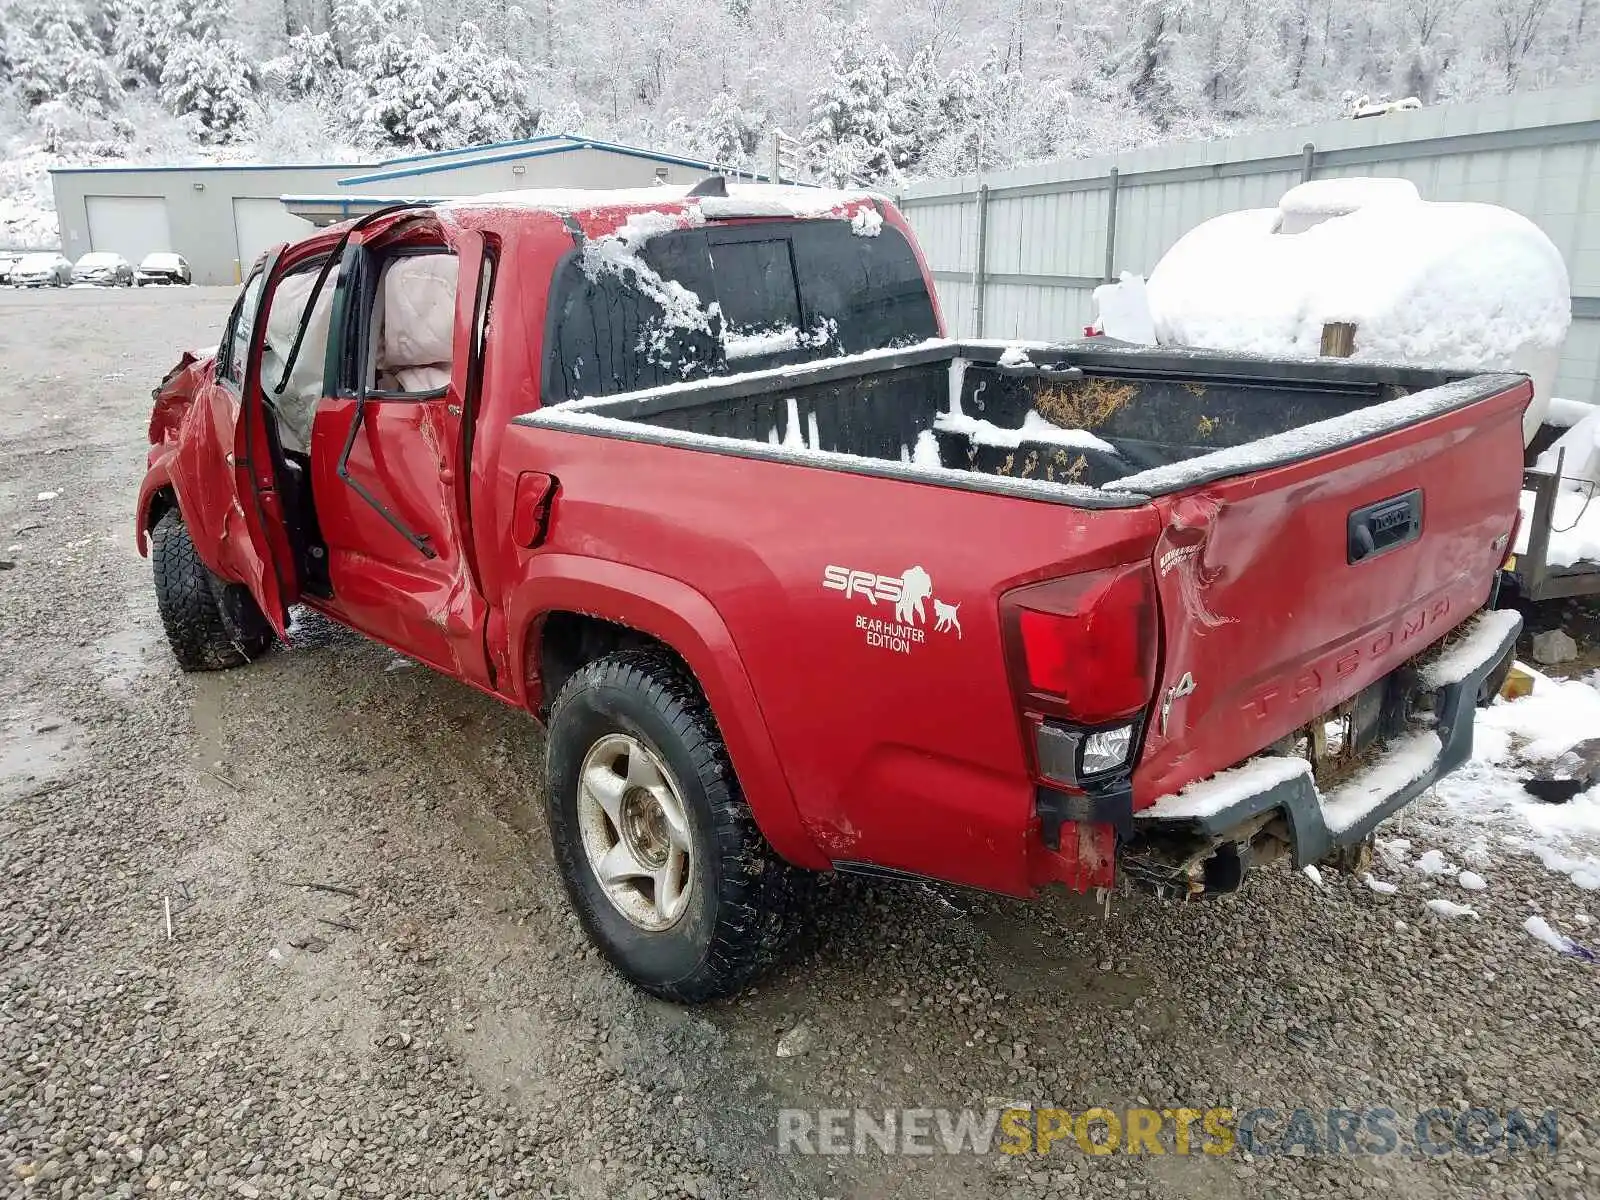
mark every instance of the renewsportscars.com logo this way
{"type": "Point", "coordinates": [1097, 1131]}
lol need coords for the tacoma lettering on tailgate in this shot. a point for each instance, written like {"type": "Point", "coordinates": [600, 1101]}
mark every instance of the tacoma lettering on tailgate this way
{"type": "Point", "coordinates": [1349, 660]}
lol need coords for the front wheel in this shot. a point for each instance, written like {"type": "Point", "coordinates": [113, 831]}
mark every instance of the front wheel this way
{"type": "Point", "coordinates": [658, 851]}
{"type": "Point", "coordinates": [210, 623]}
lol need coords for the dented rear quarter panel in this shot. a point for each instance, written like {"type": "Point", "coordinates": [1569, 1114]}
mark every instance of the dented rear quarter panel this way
{"type": "Point", "coordinates": [900, 751]}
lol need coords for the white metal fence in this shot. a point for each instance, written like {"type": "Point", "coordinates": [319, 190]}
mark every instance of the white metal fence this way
{"type": "Point", "coordinates": [1016, 253]}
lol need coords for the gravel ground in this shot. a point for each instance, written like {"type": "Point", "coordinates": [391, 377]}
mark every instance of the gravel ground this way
{"type": "Point", "coordinates": [437, 1026]}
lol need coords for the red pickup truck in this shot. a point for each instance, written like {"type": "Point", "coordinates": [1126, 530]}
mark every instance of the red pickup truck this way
{"type": "Point", "coordinates": [797, 585]}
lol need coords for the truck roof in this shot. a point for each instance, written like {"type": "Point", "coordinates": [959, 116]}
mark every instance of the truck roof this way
{"type": "Point", "coordinates": [599, 211]}
{"type": "Point", "coordinates": [633, 214]}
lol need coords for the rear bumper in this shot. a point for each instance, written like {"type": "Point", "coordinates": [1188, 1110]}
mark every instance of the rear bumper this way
{"type": "Point", "coordinates": [1319, 823]}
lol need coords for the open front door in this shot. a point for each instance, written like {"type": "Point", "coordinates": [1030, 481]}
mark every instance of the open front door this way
{"type": "Point", "coordinates": [254, 541]}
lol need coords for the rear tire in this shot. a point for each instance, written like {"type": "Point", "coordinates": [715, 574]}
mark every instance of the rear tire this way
{"type": "Point", "coordinates": [211, 624]}
{"type": "Point", "coordinates": [636, 719]}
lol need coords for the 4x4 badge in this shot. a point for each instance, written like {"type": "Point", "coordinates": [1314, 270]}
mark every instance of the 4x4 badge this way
{"type": "Point", "coordinates": [1184, 687]}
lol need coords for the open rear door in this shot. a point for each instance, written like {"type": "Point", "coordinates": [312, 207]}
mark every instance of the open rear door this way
{"type": "Point", "coordinates": [266, 551]}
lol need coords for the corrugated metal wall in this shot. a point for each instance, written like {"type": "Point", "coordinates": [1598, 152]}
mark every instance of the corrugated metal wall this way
{"type": "Point", "coordinates": [1045, 228]}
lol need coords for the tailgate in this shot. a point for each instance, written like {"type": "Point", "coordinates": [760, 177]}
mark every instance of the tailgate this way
{"type": "Point", "coordinates": [1287, 590]}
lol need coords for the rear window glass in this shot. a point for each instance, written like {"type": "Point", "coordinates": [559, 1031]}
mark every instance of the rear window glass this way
{"type": "Point", "coordinates": [696, 303]}
{"type": "Point", "coordinates": [756, 286]}
{"type": "Point", "coordinates": [867, 291]}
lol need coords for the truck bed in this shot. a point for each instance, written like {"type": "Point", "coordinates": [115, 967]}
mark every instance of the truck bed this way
{"type": "Point", "coordinates": [1085, 422]}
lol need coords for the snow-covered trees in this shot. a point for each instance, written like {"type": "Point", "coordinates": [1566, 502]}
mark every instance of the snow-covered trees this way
{"type": "Point", "coordinates": [854, 128]}
{"type": "Point", "coordinates": [874, 120]}
{"type": "Point", "coordinates": [311, 68]}
{"type": "Point", "coordinates": [211, 85]}
{"type": "Point", "coordinates": [54, 58]}
{"type": "Point", "coordinates": [877, 90]}
{"type": "Point", "coordinates": [145, 32]}
{"type": "Point", "coordinates": [401, 90]}
{"type": "Point", "coordinates": [732, 131]}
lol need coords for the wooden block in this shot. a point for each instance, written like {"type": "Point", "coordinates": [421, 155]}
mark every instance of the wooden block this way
{"type": "Point", "coordinates": [1518, 684]}
{"type": "Point", "coordinates": [1338, 339]}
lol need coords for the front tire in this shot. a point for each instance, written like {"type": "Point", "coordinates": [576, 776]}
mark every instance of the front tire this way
{"type": "Point", "coordinates": [659, 853]}
{"type": "Point", "coordinates": [211, 624]}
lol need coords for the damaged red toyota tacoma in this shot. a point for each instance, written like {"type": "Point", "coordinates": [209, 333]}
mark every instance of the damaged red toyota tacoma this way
{"type": "Point", "coordinates": [796, 584]}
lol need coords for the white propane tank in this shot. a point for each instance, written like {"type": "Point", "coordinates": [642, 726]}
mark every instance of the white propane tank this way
{"type": "Point", "coordinates": [1471, 286]}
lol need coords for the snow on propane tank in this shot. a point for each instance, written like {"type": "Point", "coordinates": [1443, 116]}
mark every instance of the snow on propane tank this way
{"type": "Point", "coordinates": [1473, 286]}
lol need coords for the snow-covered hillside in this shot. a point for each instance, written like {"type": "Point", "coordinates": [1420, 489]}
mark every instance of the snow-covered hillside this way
{"type": "Point", "coordinates": [876, 92]}
{"type": "Point", "coordinates": [27, 212]}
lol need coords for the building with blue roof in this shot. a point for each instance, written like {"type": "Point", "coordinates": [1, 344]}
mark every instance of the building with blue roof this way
{"type": "Point", "coordinates": [222, 217]}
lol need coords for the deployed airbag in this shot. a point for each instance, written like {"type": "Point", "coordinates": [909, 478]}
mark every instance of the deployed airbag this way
{"type": "Point", "coordinates": [419, 314]}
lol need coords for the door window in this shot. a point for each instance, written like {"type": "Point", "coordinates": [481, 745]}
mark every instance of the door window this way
{"type": "Point", "coordinates": [411, 329]}
{"type": "Point", "coordinates": [293, 397]}
{"type": "Point", "coordinates": [234, 353]}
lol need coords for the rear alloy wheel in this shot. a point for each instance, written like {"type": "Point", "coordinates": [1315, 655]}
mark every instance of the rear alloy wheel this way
{"type": "Point", "coordinates": [659, 853]}
{"type": "Point", "coordinates": [635, 831]}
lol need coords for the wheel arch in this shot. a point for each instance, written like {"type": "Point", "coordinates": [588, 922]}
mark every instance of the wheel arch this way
{"type": "Point", "coordinates": [570, 605]}
{"type": "Point", "coordinates": [158, 495]}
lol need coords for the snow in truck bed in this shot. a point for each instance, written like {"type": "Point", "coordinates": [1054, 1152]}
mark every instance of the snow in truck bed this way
{"type": "Point", "coordinates": [1316, 438]}
{"type": "Point", "coordinates": [1306, 441]}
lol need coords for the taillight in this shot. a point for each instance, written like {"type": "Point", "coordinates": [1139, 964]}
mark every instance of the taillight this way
{"type": "Point", "coordinates": [1084, 648]}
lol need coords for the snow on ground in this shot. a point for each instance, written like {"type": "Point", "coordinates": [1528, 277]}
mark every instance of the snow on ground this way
{"type": "Point", "coordinates": [1564, 413]}
{"type": "Point", "coordinates": [1482, 810]}
{"type": "Point", "coordinates": [1574, 528]}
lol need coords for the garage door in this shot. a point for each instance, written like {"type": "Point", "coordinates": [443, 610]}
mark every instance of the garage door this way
{"type": "Point", "coordinates": [260, 223]}
{"type": "Point", "coordinates": [131, 226]}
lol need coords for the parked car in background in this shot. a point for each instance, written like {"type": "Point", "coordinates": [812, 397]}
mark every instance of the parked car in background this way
{"type": "Point", "coordinates": [162, 267]}
{"type": "Point", "coordinates": [7, 261]}
{"type": "Point", "coordinates": [49, 269]}
{"type": "Point", "coordinates": [103, 268]}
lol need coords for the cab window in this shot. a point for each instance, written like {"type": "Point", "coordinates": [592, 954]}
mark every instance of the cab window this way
{"type": "Point", "coordinates": [725, 299]}
{"type": "Point", "coordinates": [409, 343]}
